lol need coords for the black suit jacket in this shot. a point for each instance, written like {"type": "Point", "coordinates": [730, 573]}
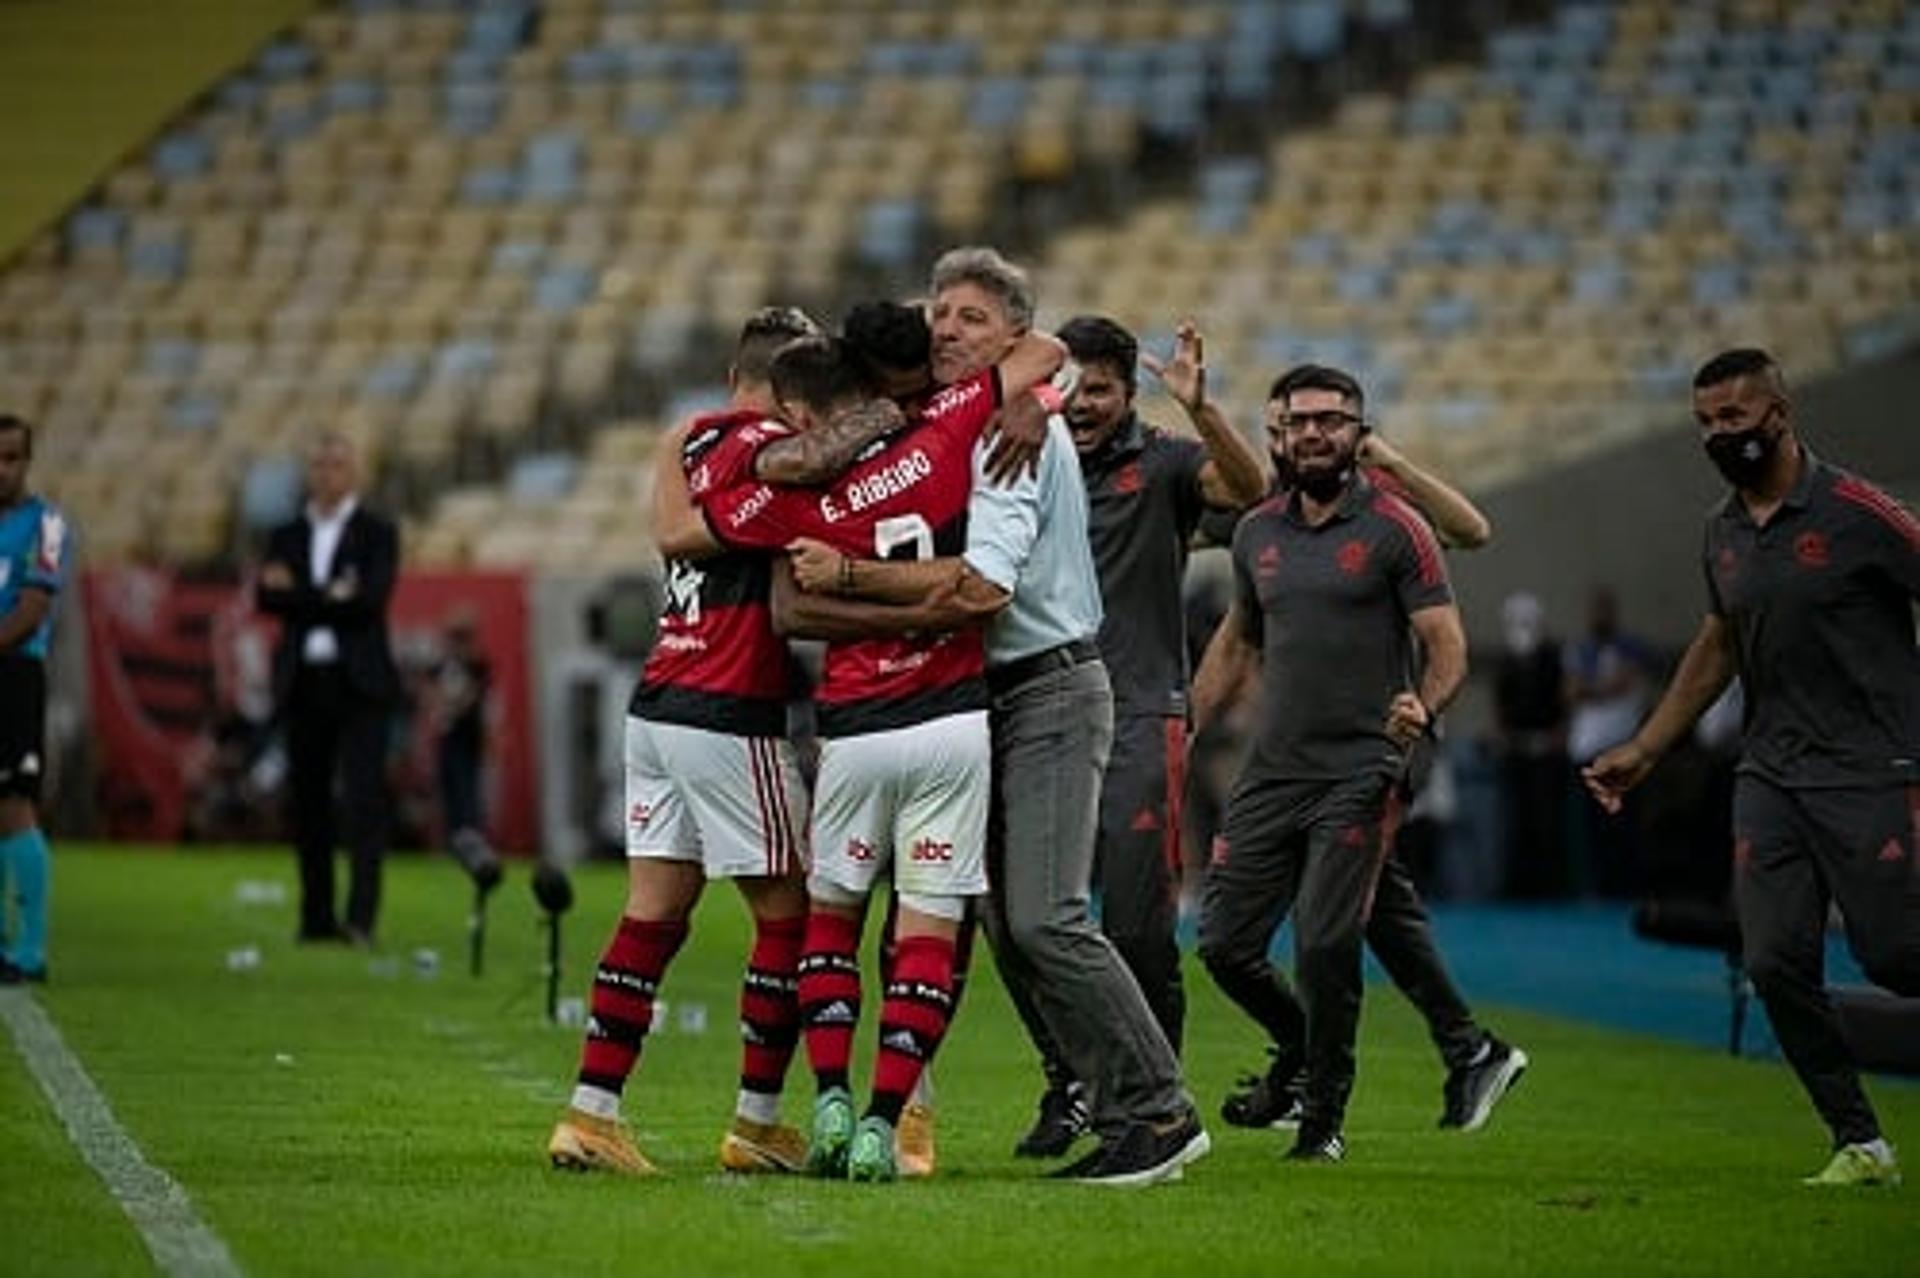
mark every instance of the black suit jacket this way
{"type": "Point", "coordinates": [368, 558]}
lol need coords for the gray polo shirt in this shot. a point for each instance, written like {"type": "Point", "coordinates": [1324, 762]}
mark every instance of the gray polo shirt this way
{"type": "Point", "coordinates": [1030, 537]}
{"type": "Point", "coordinates": [1144, 501]}
{"type": "Point", "coordinates": [1821, 605]}
{"type": "Point", "coordinates": [1330, 607]}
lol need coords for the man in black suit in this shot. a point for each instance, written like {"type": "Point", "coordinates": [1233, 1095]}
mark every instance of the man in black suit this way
{"type": "Point", "coordinates": [328, 576]}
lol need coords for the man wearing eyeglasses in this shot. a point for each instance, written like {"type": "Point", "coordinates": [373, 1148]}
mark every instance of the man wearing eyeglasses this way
{"type": "Point", "coordinates": [1811, 576]}
{"type": "Point", "coordinates": [1332, 585]}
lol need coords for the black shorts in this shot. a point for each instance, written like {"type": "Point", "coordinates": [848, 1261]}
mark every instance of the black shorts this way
{"type": "Point", "coordinates": [23, 718]}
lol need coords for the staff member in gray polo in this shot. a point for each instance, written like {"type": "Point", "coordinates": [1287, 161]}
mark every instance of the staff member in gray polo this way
{"type": "Point", "coordinates": [1029, 567]}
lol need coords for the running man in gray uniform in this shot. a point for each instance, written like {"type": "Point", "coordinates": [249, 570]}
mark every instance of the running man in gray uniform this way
{"type": "Point", "coordinates": [1811, 578]}
{"type": "Point", "coordinates": [1332, 584]}
{"type": "Point", "coordinates": [1480, 1066]}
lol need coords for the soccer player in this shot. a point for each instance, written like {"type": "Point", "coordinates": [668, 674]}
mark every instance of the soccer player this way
{"type": "Point", "coordinates": [33, 567]}
{"type": "Point", "coordinates": [1028, 565]}
{"type": "Point", "coordinates": [1481, 1068]}
{"type": "Point", "coordinates": [1146, 492]}
{"type": "Point", "coordinates": [713, 788]}
{"type": "Point", "coordinates": [1811, 576]}
{"type": "Point", "coordinates": [904, 768]}
{"type": "Point", "coordinates": [1332, 584]}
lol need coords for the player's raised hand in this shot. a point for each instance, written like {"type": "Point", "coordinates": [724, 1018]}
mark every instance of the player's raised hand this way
{"type": "Point", "coordinates": [816, 565]}
{"type": "Point", "coordinates": [1185, 375]}
{"type": "Point", "coordinates": [1612, 774]}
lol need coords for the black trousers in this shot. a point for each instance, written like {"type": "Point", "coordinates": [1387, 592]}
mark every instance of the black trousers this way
{"type": "Point", "coordinates": [1315, 849]}
{"type": "Point", "coordinates": [1137, 859]}
{"type": "Point", "coordinates": [332, 733]}
{"type": "Point", "coordinates": [1795, 851]}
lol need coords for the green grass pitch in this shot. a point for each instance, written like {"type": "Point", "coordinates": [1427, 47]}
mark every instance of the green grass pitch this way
{"type": "Point", "coordinates": [337, 1113]}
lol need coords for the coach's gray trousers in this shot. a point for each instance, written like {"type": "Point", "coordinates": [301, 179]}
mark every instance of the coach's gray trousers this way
{"type": "Point", "coordinates": [1051, 736]}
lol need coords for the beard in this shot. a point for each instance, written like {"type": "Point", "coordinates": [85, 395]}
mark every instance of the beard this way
{"type": "Point", "coordinates": [1323, 477]}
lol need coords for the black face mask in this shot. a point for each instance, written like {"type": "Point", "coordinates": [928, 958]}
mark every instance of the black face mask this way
{"type": "Point", "coordinates": [1743, 456]}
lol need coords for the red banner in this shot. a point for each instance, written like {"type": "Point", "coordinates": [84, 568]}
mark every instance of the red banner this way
{"type": "Point", "coordinates": [182, 689]}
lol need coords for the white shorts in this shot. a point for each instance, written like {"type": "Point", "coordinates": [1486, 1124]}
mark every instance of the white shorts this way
{"type": "Point", "coordinates": [914, 798]}
{"type": "Point", "coordinates": [735, 804]}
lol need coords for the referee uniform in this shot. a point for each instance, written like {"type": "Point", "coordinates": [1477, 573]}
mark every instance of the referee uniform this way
{"type": "Point", "coordinates": [33, 555]}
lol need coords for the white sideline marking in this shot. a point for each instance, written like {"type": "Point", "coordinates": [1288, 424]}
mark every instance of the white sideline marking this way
{"type": "Point", "coordinates": [181, 1243]}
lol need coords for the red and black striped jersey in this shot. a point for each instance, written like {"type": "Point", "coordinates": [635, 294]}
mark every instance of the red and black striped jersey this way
{"type": "Point", "coordinates": [905, 497]}
{"type": "Point", "coordinates": [716, 662]}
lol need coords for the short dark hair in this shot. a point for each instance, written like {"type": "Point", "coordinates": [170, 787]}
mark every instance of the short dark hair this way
{"type": "Point", "coordinates": [1317, 377]}
{"type": "Point", "coordinates": [817, 371]}
{"type": "Point", "coordinates": [10, 422]}
{"type": "Point", "coordinates": [764, 333]}
{"type": "Point", "coordinates": [1095, 339]}
{"type": "Point", "coordinates": [888, 337]}
{"type": "Point", "coordinates": [1741, 361]}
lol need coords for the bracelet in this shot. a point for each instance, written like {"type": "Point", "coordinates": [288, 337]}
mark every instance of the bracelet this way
{"type": "Point", "coordinates": [1050, 397]}
{"type": "Point", "coordinates": [846, 574]}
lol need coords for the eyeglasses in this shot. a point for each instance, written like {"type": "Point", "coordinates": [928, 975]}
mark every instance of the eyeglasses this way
{"type": "Point", "coordinates": [1326, 423]}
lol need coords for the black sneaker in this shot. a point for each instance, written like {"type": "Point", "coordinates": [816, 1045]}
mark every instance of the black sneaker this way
{"type": "Point", "coordinates": [1273, 1099]}
{"type": "Point", "coordinates": [1473, 1090]}
{"type": "Point", "coordinates": [1063, 1116]}
{"type": "Point", "coordinates": [1144, 1154]}
{"type": "Point", "coordinates": [1317, 1145]}
{"type": "Point", "coordinates": [12, 974]}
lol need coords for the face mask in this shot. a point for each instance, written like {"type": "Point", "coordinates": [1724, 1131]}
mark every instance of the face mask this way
{"type": "Point", "coordinates": [1742, 456]}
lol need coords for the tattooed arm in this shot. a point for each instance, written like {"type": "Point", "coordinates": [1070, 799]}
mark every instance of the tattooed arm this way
{"type": "Point", "coordinates": [821, 454]}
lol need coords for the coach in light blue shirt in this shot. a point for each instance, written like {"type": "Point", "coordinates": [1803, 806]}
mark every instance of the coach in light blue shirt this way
{"type": "Point", "coordinates": [1029, 538]}
{"type": "Point", "coordinates": [1052, 716]}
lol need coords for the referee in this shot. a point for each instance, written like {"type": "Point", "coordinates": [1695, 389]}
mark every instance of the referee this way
{"type": "Point", "coordinates": [1811, 576]}
{"type": "Point", "coordinates": [33, 554]}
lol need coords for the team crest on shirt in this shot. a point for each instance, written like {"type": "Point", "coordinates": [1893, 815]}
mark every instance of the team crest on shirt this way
{"type": "Point", "coordinates": [1129, 480]}
{"type": "Point", "coordinates": [639, 816]}
{"type": "Point", "coordinates": [1811, 550]}
{"type": "Point", "coordinates": [1267, 562]}
{"type": "Point", "coordinates": [1352, 557]}
{"type": "Point", "coordinates": [1726, 562]}
{"type": "Point", "coordinates": [53, 538]}
{"type": "Point", "coordinates": [683, 590]}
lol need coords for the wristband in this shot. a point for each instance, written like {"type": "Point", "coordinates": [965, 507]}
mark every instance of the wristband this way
{"type": "Point", "coordinates": [1050, 397]}
{"type": "Point", "coordinates": [846, 574]}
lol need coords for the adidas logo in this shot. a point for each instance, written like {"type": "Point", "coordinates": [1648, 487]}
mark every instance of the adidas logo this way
{"type": "Point", "coordinates": [1893, 851]}
{"type": "Point", "coordinates": [837, 1012]}
{"type": "Point", "coordinates": [903, 1041]}
{"type": "Point", "coordinates": [1146, 819]}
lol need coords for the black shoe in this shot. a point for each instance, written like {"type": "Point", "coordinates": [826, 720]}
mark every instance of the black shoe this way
{"type": "Point", "coordinates": [332, 934]}
{"type": "Point", "coordinates": [1063, 1116]}
{"type": "Point", "coordinates": [1473, 1090]}
{"type": "Point", "coordinates": [1317, 1145]}
{"type": "Point", "coordinates": [1273, 1099]}
{"type": "Point", "coordinates": [1144, 1154]}
{"type": "Point", "coordinates": [12, 974]}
